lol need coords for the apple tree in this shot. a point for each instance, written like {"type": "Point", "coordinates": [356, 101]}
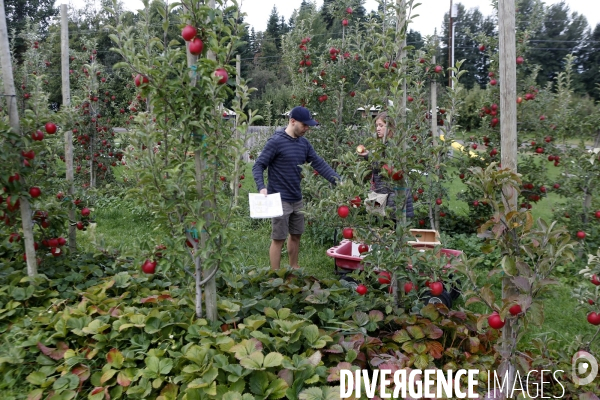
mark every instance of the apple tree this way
{"type": "Point", "coordinates": [182, 154]}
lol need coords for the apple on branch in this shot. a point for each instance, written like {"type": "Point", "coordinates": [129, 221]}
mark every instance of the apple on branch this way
{"type": "Point", "coordinates": [360, 149]}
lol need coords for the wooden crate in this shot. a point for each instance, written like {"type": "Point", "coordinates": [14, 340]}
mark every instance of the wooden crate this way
{"type": "Point", "coordinates": [425, 238]}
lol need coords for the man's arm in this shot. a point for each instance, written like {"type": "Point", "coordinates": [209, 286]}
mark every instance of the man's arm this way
{"type": "Point", "coordinates": [321, 166]}
{"type": "Point", "coordinates": [262, 163]}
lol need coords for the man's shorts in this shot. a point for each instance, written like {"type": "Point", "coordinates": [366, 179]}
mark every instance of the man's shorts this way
{"type": "Point", "coordinates": [292, 221]}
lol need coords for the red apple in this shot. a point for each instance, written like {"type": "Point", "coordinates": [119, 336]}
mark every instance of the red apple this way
{"type": "Point", "coordinates": [597, 214]}
{"type": "Point", "coordinates": [35, 191]}
{"type": "Point", "coordinates": [436, 288]}
{"type": "Point", "coordinates": [515, 310]}
{"type": "Point", "coordinates": [493, 82]}
{"type": "Point", "coordinates": [195, 47]}
{"type": "Point", "coordinates": [79, 225]}
{"type": "Point", "coordinates": [349, 10]}
{"type": "Point", "coordinates": [188, 33]}
{"type": "Point", "coordinates": [594, 318]}
{"type": "Point", "coordinates": [481, 47]}
{"type": "Point", "coordinates": [556, 186]}
{"type": "Point", "coordinates": [438, 69]}
{"type": "Point", "coordinates": [384, 277]}
{"type": "Point", "coordinates": [595, 280]}
{"type": "Point", "coordinates": [520, 60]}
{"type": "Point", "coordinates": [580, 235]}
{"type": "Point", "coordinates": [85, 211]}
{"type": "Point", "coordinates": [408, 286]}
{"type": "Point", "coordinates": [37, 135]}
{"type": "Point", "coordinates": [345, 22]}
{"type": "Point", "coordinates": [519, 100]}
{"type": "Point", "coordinates": [50, 128]}
{"type": "Point", "coordinates": [361, 289]}
{"type": "Point", "coordinates": [363, 248]}
{"type": "Point", "coordinates": [494, 321]}
{"type": "Point", "coordinates": [139, 79]}
{"type": "Point", "coordinates": [148, 267]}
{"type": "Point", "coordinates": [343, 211]}
{"type": "Point", "coordinates": [222, 75]}
{"type": "Point", "coordinates": [356, 202]}
{"type": "Point", "coordinates": [348, 233]}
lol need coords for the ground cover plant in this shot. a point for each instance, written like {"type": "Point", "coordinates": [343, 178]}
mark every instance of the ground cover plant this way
{"type": "Point", "coordinates": [166, 291]}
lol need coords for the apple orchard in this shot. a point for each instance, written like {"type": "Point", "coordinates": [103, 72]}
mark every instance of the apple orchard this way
{"type": "Point", "coordinates": [151, 139]}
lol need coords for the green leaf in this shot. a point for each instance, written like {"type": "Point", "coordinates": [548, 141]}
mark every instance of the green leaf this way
{"type": "Point", "coordinates": [153, 325]}
{"type": "Point", "coordinates": [165, 366]}
{"type": "Point", "coordinates": [422, 361]}
{"type": "Point", "coordinates": [36, 378]}
{"type": "Point", "coordinates": [66, 382]}
{"type": "Point", "coordinates": [277, 388]}
{"type": "Point", "coordinates": [107, 375]}
{"type": "Point", "coordinates": [311, 333]}
{"type": "Point", "coordinates": [259, 382]}
{"type": "Point", "coordinates": [401, 336]}
{"type": "Point", "coordinates": [509, 265]}
{"type": "Point", "coordinates": [254, 361]}
{"type": "Point", "coordinates": [272, 360]}
{"type": "Point", "coordinates": [416, 332]}
{"type": "Point", "coordinates": [246, 347]}
{"type": "Point", "coordinates": [360, 318]}
{"type": "Point", "coordinates": [35, 394]}
{"type": "Point", "coordinates": [351, 355]}
{"type": "Point", "coordinates": [115, 358]}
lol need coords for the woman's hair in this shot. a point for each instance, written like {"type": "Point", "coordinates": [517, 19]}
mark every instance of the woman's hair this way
{"type": "Point", "coordinates": [389, 123]}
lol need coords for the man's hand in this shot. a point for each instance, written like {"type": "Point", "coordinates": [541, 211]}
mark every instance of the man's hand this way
{"type": "Point", "coordinates": [263, 191]}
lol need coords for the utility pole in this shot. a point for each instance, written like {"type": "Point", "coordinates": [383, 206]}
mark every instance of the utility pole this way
{"type": "Point", "coordinates": [508, 148]}
{"type": "Point", "coordinates": [453, 15]}
{"type": "Point", "coordinates": [450, 43]}
{"type": "Point", "coordinates": [66, 96]}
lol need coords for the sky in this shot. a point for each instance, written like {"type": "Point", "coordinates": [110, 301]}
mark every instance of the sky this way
{"type": "Point", "coordinates": [431, 12]}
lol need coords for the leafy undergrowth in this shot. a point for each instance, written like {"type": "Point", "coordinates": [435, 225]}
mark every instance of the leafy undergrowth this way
{"type": "Point", "coordinates": [93, 327]}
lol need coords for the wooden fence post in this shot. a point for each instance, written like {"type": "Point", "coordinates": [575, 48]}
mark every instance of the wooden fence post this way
{"type": "Point", "coordinates": [13, 112]}
{"type": "Point", "coordinates": [66, 97]}
{"type": "Point", "coordinates": [508, 142]}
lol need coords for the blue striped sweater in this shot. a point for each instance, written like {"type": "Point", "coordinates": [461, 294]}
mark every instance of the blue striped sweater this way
{"type": "Point", "coordinates": [282, 156]}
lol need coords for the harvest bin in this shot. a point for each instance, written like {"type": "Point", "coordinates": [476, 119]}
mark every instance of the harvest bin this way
{"type": "Point", "coordinates": [347, 257]}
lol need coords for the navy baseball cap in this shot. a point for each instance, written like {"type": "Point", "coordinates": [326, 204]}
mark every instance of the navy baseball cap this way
{"type": "Point", "coordinates": [302, 114]}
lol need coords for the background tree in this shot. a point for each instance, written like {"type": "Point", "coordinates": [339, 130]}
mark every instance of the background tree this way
{"type": "Point", "coordinates": [40, 12]}
{"type": "Point", "coordinates": [468, 24]}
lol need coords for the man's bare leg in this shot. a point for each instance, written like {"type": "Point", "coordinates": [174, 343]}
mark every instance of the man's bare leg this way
{"type": "Point", "coordinates": [293, 247]}
{"type": "Point", "coordinates": [275, 253]}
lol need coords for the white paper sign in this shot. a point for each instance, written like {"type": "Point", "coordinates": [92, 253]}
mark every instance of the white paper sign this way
{"type": "Point", "coordinates": [262, 206]}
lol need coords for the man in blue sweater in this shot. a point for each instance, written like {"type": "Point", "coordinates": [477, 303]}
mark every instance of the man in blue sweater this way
{"type": "Point", "coordinates": [283, 155]}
